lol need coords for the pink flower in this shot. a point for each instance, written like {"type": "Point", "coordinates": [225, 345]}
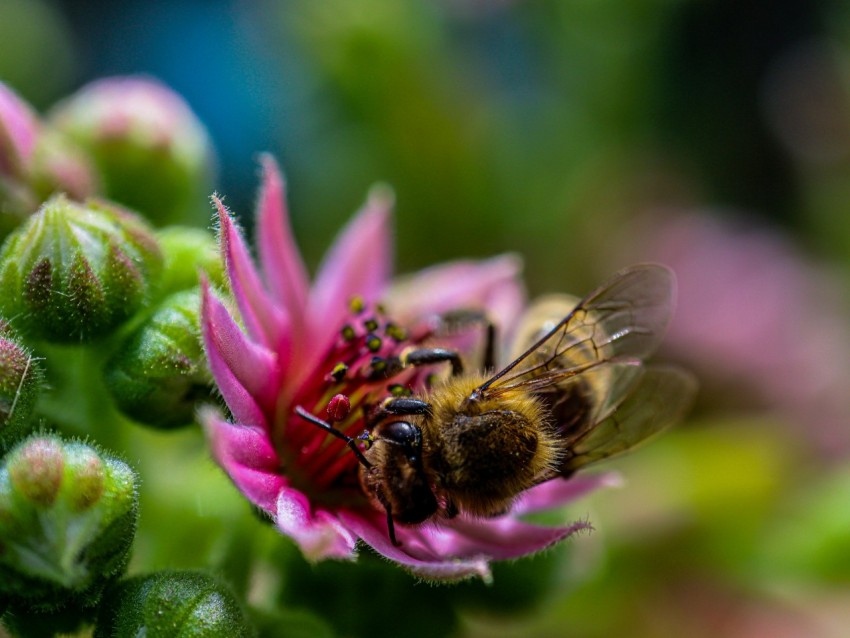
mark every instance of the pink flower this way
{"type": "Point", "coordinates": [302, 345]}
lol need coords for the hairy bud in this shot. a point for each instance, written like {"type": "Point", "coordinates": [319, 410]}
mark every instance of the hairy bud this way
{"type": "Point", "coordinates": [67, 519]}
{"type": "Point", "coordinates": [187, 251]}
{"type": "Point", "coordinates": [73, 271]}
{"type": "Point", "coordinates": [159, 373]}
{"type": "Point", "coordinates": [139, 133]}
{"type": "Point", "coordinates": [21, 379]}
{"type": "Point", "coordinates": [172, 603]}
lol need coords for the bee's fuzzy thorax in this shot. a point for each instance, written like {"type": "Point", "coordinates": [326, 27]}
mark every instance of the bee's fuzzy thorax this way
{"type": "Point", "coordinates": [523, 433]}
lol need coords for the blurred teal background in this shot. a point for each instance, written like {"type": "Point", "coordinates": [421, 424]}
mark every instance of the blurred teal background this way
{"type": "Point", "coordinates": [583, 135]}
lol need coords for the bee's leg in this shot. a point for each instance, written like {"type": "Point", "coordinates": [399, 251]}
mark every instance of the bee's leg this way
{"type": "Point", "coordinates": [390, 523]}
{"type": "Point", "coordinates": [386, 368]}
{"type": "Point", "coordinates": [489, 360]}
{"type": "Point", "coordinates": [451, 322]}
{"type": "Point", "coordinates": [396, 406]}
{"type": "Point", "coordinates": [391, 528]}
{"type": "Point", "coordinates": [327, 427]}
{"type": "Point", "coordinates": [429, 356]}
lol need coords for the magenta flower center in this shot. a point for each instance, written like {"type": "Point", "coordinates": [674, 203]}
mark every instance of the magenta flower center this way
{"type": "Point", "coordinates": [362, 367]}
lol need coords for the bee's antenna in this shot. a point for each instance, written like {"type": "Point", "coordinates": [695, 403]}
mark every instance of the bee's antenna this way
{"type": "Point", "coordinates": [327, 427]}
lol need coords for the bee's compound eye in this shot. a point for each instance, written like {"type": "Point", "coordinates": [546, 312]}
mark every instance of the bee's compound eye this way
{"type": "Point", "coordinates": [401, 433]}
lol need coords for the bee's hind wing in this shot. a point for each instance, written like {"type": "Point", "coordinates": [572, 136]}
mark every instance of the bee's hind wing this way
{"type": "Point", "coordinates": [660, 398]}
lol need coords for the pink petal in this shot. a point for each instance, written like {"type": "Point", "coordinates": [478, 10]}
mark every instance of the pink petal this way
{"type": "Point", "coordinates": [18, 131]}
{"type": "Point", "coordinates": [319, 535]}
{"type": "Point", "coordinates": [281, 262]}
{"type": "Point", "coordinates": [254, 366]}
{"type": "Point", "coordinates": [558, 492]}
{"type": "Point", "coordinates": [413, 553]}
{"type": "Point", "coordinates": [358, 263]}
{"type": "Point", "coordinates": [238, 399]}
{"type": "Point", "coordinates": [492, 284]}
{"type": "Point", "coordinates": [506, 303]}
{"type": "Point", "coordinates": [246, 454]}
{"type": "Point", "coordinates": [265, 321]}
{"type": "Point", "coordinates": [502, 538]}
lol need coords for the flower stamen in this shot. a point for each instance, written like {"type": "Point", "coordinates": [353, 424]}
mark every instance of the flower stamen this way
{"type": "Point", "coordinates": [338, 408]}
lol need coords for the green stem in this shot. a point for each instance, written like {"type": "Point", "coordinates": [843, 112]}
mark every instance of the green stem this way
{"type": "Point", "coordinates": [76, 400]}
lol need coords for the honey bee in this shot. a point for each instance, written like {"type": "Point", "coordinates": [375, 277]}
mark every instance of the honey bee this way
{"type": "Point", "coordinates": [577, 390]}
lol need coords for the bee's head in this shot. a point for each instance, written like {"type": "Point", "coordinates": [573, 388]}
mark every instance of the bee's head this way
{"type": "Point", "coordinates": [404, 436]}
{"type": "Point", "coordinates": [397, 476]}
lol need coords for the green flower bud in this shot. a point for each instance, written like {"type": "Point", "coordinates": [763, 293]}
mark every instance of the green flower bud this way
{"type": "Point", "coordinates": [67, 519]}
{"type": "Point", "coordinates": [171, 603]}
{"type": "Point", "coordinates": [21, 378]}
{"type": "Point", "coordinates": [77, 271]}
{"type": "Point", "coordinates": [152, 151]}
{"type": "Point", "coordinates": [159, 373]}
{"type": "Point", "coordinates": [186, 251]}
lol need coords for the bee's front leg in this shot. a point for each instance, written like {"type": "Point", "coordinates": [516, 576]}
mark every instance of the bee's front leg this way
{"type": "Point", "coordinates": [395, 406]}
{"type": "Point", "coordinates": [330, 429]}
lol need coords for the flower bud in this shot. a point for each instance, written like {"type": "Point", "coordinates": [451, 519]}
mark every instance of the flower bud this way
{"type": "Point", "coordinates": [77, 271]}
{"type": "Point", "coordinates": [59, 166]}
{"type": "Point", "coordinates": [152, 151]}
{"type": "Point", "coordinates": [35, 162]}
{"type": "Point", "coordinates": [187, 251]}
{"type": "Point", "coordinates": [171, 603]}
{"type": "Point", "coordinates": [19, 128]}
{"type": "Point", "coordinates": [159, 373]}
{"type": "Point", "coordinates": [67, 520]}
{"type": "Point", "coordinates": [21, 378]}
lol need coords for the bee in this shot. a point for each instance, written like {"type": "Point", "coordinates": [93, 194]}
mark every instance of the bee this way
{"type": "Point", "coordinates": [576, 390]}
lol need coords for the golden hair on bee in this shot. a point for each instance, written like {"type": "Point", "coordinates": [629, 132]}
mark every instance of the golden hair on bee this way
{"type": "Point", "coordinates": [482, 454]}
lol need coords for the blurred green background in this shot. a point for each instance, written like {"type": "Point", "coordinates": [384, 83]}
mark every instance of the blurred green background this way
{"type": "Point", "coordinates": [714, 136]}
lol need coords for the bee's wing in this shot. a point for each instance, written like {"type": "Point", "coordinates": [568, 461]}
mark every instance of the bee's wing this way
{"type": "Point", "coordinates": [622, 320]}
{"type": "Point", "coordinates": [577, 402]}
{"type": "Point", "coordinates": [539, 319]}
{"type": "Point", "coordinates": [656, 401]}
